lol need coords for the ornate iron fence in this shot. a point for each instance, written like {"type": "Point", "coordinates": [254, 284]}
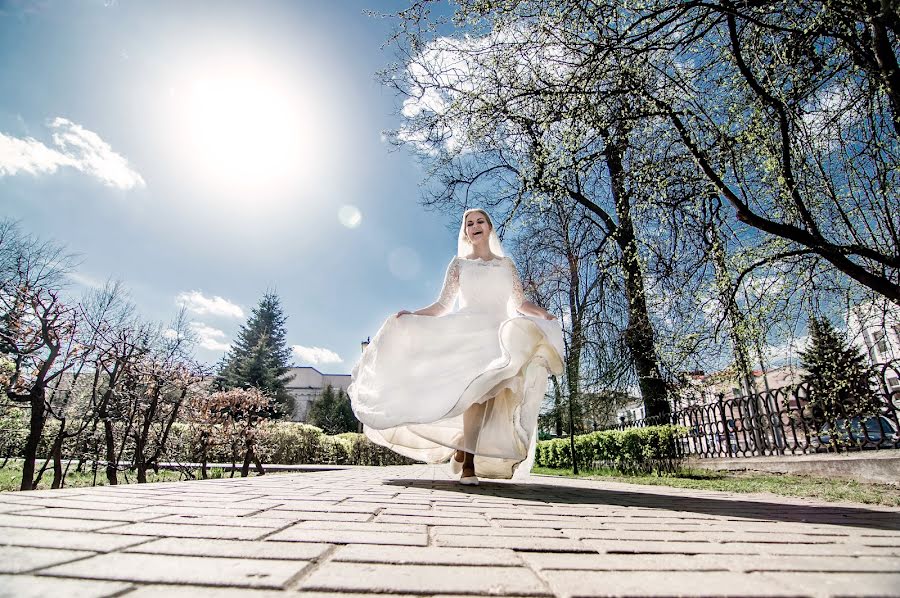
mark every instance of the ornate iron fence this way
{"type": "Point", "coordinates": [781, 422]}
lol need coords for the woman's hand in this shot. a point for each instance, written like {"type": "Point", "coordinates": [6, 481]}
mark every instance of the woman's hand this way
{"type": "Point", "coordinates": [403, 312]}
{"type": "Point", "coordinates": [548, 315]}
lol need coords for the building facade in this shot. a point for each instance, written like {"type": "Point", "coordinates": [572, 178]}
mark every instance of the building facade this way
{"type": "Point", "coordinates": [875, 328]}
{"type": "Point", "coordinates": [304, 384]}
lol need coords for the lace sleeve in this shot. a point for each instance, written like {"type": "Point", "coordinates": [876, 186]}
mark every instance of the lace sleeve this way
{"type": "Point", "coordinates": [451, 285]}
{"type": "Point", "coordinates": [518, 293]}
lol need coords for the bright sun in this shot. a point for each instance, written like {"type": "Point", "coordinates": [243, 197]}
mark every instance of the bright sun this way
{"type": "Point", "coordinates": [247, 129]}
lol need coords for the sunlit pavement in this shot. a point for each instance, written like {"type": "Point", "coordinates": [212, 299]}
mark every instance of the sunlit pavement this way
{"type": "Point", "coordinates": [413, 531]}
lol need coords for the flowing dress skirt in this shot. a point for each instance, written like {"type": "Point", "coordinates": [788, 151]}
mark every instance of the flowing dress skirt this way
{"type": "Point", "coordinates": [420, 374]}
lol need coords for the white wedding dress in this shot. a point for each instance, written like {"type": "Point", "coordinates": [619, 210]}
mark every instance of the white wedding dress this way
{"type": "Point", "coordinates": [419, 374]}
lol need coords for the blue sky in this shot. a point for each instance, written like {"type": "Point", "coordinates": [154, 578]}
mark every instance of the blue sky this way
{"type": "Point", "coordinates": [204, 152]}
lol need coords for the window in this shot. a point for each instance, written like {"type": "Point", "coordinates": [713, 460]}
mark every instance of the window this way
{"type": "Point", "coordinates": [879, 341]}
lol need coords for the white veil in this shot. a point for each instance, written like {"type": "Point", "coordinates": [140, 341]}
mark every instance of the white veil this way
{"type": "Point", "coordinates": [464, 247]}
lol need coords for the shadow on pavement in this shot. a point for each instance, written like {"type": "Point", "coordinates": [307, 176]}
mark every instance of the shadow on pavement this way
{"type": "Point", "coordinates": [651, 499]}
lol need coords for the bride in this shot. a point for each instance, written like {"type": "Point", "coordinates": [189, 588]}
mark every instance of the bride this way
{"type": "Point", "coordinates": [462, 385]}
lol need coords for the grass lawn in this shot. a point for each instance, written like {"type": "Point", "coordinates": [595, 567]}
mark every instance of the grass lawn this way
{"type": "Point", "coordinates": [831, 490]}
{"type": "Point", "coordinates": [11, 477]}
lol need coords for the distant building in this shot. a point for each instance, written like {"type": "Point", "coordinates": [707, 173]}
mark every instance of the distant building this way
{"type": "Point", "coordinates": [875, 328]}
{"type": "Point", "coordinates": [703, 389]}
{"type": "Point", "coordinates": [631, 412]}
{"type": "Point", "coordinates": [304, 384]}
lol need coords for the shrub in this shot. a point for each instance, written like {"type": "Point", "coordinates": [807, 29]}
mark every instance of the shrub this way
{"type": "Point", "coordinates": [292, 443]}
{"type": "Point", "coordinates": [636, 450]}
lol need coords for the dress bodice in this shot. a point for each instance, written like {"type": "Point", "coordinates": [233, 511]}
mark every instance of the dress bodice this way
{"type": "Point", "coordinates": [484, 286]}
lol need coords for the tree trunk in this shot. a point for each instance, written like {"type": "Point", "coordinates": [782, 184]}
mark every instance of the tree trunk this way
{"type": "Point", "coordinates": [639, 336]}
{"type": "Point", "coordinates": [248, 455]}
{"type": "Point", "coordinates": [57, 456]}
{"type": "Point", "coordinates": [573, 361]}
{"type": "Point", "coordinates": [143, 435]}
{"type": "Point", "coordinates": [204, 444]}
{"type": "Point", "coordinates": [737, 322]}
{"type": "Point", "coordinates": [35, 429]}
{"type": "Point", "coordinates": [557, 407]}
{"type": "Point", "coordinates": [153, 460]}
{"type": "Point", "coordinates": [139, 462]}
{"type": "Point", "coordinates": [111, 465]}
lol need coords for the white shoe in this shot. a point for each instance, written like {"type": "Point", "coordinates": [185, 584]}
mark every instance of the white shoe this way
{"type": "Point", "coordinates": [469, 481]}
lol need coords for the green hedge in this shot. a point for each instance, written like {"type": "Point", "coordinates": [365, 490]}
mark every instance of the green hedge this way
{"type": "Point", "coordinates": [285, 443]}
{"type": "Point", "coordinates": [635, 450]}
{"type": "Point", "coordinates": [292, 443]}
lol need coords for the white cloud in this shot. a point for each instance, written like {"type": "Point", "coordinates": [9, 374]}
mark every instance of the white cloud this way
{"type": "Point", "coordinates": [787, 351]}
{"type": "Point", "coordinates": [315, 355]}
{"type": "Point", "coordinates": [452, 70]}
{"type": "Point", "coordinates": [75, 147]}
{"type": "Point", "coordinates": [85, 280]}
{"type": "Point", "coordinates": [209, 337]}
{"type": "Point", "coordinates": [196, 302]}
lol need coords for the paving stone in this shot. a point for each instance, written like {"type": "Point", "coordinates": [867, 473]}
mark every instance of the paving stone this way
{"type": "Point", "coordinates": [665, 534]}
{"type": "Point", "coordinates": [360, 577]}
{"type": "Point", "coordinates": [431, 555]}
{"type": "Point", "coordinates": [296, 534]}
{"type": "Point", "coordinates": [429, 520]}
{"type": "Point", "coordinates": [17, 508]}
{"type": "Point", "coordinates": [833, 564]}
{"type": "Point", "coordinates": [153, 568]}
{"type": "Point", "coordinates": [836, 584]}
{"type": "Point", "coordinates": [556, 522]}
{"type": "Point", "coordinates": [499, 531]}
{"type": "Point", "coordinates": [86, 503]}
{"type": "Point", "coordinates": [41, 538]}
{"type": "Point", "coordinates": [222, 521]}
{"type": "Point", "coordinates": [185, 530]}
{"type": "Point", "coordinates": [157, 510]}
{"type": "Point", "coordinates": [328, 508]}
{"type": "Point", "coordinates": [513, 542]}
{"type": "Point", "coordinates": [667, 583]}
{"type": "Point", "coordinates": [315, 515]}
{"type": "Point", "coordinates": [892, 542]}
{"type": "Point", "coordinates": [406, 512]}
{"type": "Point", "coordinates": [167, 591]}
{"type": "Point", "coordinates": [629, 546]}
{"type": "Point", "coordinates": [97, 503]}
{"type": "Point", "coordinates": [208, 498]}
{"type": "Point", "coordinates": [27, 586]}
{"type": "Point", "coordinates": [54, 523]}
{"type": "Point", "coordinates": [368, 526]}
{"type": "Point", "coordinates": [232, 548]}
{"type": "Point", "coordinates": [112, 516]}
{"type": "Point", "coordinates": [18, 559]}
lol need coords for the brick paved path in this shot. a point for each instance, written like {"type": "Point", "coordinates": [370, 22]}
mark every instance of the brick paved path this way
{"type": "Point", "coordinates": [413, 531]}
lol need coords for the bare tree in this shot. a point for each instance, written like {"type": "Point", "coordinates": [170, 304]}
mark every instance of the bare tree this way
{"type": "Point", "coordinates": [37, 330]}
{"type": "Point", "coordinates": [500, 123]}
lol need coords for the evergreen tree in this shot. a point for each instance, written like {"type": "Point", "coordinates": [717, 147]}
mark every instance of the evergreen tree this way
{"type": "Point", "coordinates": [332, 412]}
{"type": "Point", "coordinates": [260, 356]}
{"type": "Point", "coordinates": [839, 382]}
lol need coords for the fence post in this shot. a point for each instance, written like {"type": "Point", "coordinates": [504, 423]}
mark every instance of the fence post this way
{"type": "Point", "coordinates": [721, 404]}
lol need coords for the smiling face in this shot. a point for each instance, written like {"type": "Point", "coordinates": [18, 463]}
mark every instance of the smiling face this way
{"type": "Point", "coordinates": [478, 227]}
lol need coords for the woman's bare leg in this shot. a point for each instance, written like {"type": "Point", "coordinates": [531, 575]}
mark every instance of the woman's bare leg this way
{"type": "Point", "coordinates": [472, 419]}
